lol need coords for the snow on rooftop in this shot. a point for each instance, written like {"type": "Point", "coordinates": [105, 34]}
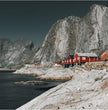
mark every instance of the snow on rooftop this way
{"type": "Point", "coordinates": [87, 54]}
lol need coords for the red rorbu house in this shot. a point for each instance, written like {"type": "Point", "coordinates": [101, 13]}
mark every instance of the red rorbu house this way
{"type": "Point", "coordinates": [70, 59]}
{"type": "Point", "coordinates": [66, 62]}
{"type": "Point", "coordinates": [85, 57]}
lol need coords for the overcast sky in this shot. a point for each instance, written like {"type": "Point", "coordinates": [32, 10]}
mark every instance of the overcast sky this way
{"type": "Point", "coordinates": [32, 20]}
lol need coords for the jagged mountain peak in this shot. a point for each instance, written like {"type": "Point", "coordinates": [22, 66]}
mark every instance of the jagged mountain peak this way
{"type": "Point", "coordinates": [97, 6]}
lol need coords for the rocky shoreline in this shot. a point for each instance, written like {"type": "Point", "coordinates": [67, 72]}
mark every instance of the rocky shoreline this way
{"type": "Point", "coordinates": [61, 73]}
{"type": "Point", "coordinates": [29, 82]}
{"type": "Point", "coordinates": [47, 73]}
{"type": "Point", "coordinates": [86, 88]}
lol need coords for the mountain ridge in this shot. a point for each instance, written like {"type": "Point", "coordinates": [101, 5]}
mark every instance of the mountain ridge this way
{"type": "Point", "coordinates": [66, 36]}
{"type": "Point", "coordinates": [15, 53]}
{"type": "Point", "coordinates": [74, 34]}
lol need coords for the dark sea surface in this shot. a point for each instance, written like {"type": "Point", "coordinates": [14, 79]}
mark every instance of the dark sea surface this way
{"type": "Point", "coordinates": [14, 95]}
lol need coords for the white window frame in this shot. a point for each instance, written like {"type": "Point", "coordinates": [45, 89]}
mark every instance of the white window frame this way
{"type": "Point", "coordinates": [83, 58]}
{"type": "Point", "coordinates": [70, 60]}
{"type": "Point", "coordinates": [78, 58]}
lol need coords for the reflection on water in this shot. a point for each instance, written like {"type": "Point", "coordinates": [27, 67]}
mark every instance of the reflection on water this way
{"type": "Point", "coordinates": [14, 95]}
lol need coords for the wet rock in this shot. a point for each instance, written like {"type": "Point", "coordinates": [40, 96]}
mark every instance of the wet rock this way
{"type": "Point", "coordinates": [29, 82]}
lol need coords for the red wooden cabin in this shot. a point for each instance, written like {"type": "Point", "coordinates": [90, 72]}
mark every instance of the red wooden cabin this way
{"type": "Point", "coordinates": [70, 59]}
{"type": "Point", "coordinates": [66, 62]}
{"type": "Point", "coordinates": [85, 57]}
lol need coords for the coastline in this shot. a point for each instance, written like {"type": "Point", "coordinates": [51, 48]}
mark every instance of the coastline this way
{"type": "Point", "coordinates": [84, 91]}
{"type": "Point", "coordinates": [47, 73]}
{"type": "Point", "coordinates": [89, 78]}
{"type": "Point", "coordinates": [55, 73]}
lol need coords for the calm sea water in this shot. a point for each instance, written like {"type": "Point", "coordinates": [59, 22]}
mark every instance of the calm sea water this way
{"type": "Point", "coordinates": [13, 96]}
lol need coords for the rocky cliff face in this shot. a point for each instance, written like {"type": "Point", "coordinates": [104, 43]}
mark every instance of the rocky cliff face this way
{"type": "Point", "coordinates": [93, 31]}
{"type": "Point", "coordinates": [74, 34]}
{"type": "Point", "coordinates": [60, 41]}
{"type": "Point", "coordinates": [15, 53]}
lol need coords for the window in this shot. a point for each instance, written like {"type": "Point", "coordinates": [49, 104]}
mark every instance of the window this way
{"type": "Point", "coordinates": [78, 58]}
{"type": "Point", "coordinates": [83, 58]}
{"type": "Point", "coordinates": [70, 60]}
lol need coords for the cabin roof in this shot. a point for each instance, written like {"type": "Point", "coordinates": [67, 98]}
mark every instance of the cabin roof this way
{"type": "Point", "coordinates": [87, 54]}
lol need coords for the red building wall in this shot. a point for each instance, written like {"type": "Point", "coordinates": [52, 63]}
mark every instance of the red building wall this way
{"type": "Point", "coordinates": [69, 60]}
{"type": "Point", "coordinates": [84, 59]}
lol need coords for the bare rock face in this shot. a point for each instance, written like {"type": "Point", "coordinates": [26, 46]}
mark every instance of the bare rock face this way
{"type": "Point", "coordinates": [93, 31]}
{"type": "Point", "coordinates": [59, 42]}
{"type": "Point", "coordinates": [74, 34]}
{"type": "Point", "coordinates": [15, 53]}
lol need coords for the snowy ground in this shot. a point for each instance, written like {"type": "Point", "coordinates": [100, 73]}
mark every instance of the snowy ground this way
{"type": "Point", "coordinates": [61, 73]}
{"type": "Point", "coordinates": [51, 73]}
{"type": "Point", "coordinates": [88, 91]}
{"type": "Point", "coordinates": [47, 73]}
{"type": "Point", "coordinates": [31, 70]}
